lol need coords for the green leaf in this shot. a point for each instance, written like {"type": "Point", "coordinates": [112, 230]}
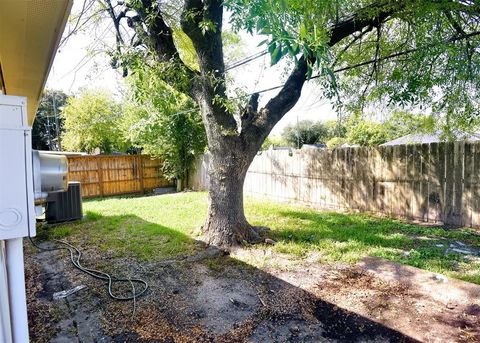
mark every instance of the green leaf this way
{"type": "Point", "coordinates": [263, 42]}
{"type": "Point", "coordinates": [261, 23]}
{"type": "Point", "coordinates": [272, 46]}
{"type": "Point", "coordinates": [331, 75]}
{"type": "Point", "coordinates": [309, 72]}
{"type": "Point", "coordinates": [276, 55]}
{"type": "Point", "coordinates": [265, 31]}
{"type": "Point", "coordinates": [295, 49]}
{"type": "Point", "coordinates": [303, 31]}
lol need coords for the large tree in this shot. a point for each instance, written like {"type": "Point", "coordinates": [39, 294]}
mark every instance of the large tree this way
{"type": "Point", "coordinates": [412, 51]}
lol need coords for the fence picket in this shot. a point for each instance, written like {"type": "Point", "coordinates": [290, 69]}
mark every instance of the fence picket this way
{"type": "Point", "coordinates": [436, 182]}
{"type": "Point", "coordinates": [103, 175]}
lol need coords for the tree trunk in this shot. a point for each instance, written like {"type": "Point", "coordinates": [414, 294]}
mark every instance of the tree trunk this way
{"type": "Point", "coordinates": [226, 224]}
{"type": "Point", "coordinates": [232, 148]}
{"type": "Point", "coordinates": [179, 184]}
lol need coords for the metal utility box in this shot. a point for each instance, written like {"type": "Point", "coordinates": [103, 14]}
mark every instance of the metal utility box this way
{"type": "Point", "coordinates": [17, 213]}
{"type": "Point", "coordinates": [64, 206]}
{"type": "Point", "coordinates": [50, 174]}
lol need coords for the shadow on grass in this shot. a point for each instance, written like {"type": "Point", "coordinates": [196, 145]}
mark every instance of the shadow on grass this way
{"type": "Point", "coordinates": [125, 236]}
{"type": "Point", "coordinates": [129, 195]}
{"type": "Point", "coordinates": [217, 305]}
{"type": "Point", "coordinates": [350, 237]}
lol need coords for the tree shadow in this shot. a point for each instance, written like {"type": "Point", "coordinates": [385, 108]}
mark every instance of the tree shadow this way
{"type": "Point", "coordinates": [350, 237]}
{"type": "Point", "coordinates": [196, 293]}
{"type": "Point", "coordinates": [435, 183]}
{"type": "Point", "coordinates": [363, 229]}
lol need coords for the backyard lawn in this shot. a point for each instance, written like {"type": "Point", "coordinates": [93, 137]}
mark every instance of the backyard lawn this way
{"type": "Point", "coordinates": [162, 227]}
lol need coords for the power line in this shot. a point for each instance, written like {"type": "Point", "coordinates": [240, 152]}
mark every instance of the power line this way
{"type": "Point", "coordinates": [260, 74]}
{"type": "Point", "coordinates": [401, 53]}
{"type": "Point", "coordinates": [361, 64]}
{"type": "Point", "coordinates": [246, 60]}
{"type": "Point", "coordinates": [83, 62]}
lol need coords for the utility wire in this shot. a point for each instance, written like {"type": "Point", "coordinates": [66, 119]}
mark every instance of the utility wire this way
{"type": "Point", "coordinates": [246, 60]}
{"type": "Point", "coordinates": [319, 75]}
{"type": "Point", "coordinates": [361, 64]}
{"type": "Point", "coordinates": [401, 53]}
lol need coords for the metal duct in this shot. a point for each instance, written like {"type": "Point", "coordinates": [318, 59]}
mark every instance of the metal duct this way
{"type": "Point", "coordinates": [50, 174]}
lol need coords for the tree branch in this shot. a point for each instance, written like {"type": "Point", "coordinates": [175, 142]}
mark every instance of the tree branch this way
{"type": "Point", "coordinates": [361, 19]}
{"type": "Point", "coordinates": [202, 22]}
{"type": "Point", "coordinates": [159, 33]}
{"type": "Point", "coordinates": [151, 29]}
{"type": "Point", "coordinates": [191, 17]}
{"type": "Point", "coordinates": [459, 29]}
{"type": "Point", "coordinates": [374, 70]}
{"type": "Point", "coordinates": [288, 96]}
{"type": "Point", "coordinates": [248, 113]}
{"type": "Point", "coordinates": [116, 18]}
{"type": "Point", "coordinates": [349, 45]}
{"type": "Point", "coordinates": [208, 40]}
{"type": "Point", "coordinates": [78, 25]}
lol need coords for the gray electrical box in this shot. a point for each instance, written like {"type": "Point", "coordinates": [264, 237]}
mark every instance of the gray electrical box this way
{"type": "Point", "coordinates": [64, 206]}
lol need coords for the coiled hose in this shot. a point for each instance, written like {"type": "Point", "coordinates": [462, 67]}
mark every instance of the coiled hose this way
{"type": "Point", "coordinates": [97, 273]}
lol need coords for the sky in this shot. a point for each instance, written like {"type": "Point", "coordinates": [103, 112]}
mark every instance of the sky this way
{"type": "Point", "coordinates": [80, 64]}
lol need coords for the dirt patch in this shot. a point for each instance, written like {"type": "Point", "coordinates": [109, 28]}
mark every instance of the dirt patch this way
{"type": "Point", "coordinates": [63, 320]}
{"type": "Point", "coordinates": [361, 292]}
{"type": "Point", "coordinates": [41, 315]}
{"type": "Point", "coordinates": [212, 297]}
{"type": "Point", "coordinates": [442, 308]}
{"type": "Point", "coordinates": [220, 313]}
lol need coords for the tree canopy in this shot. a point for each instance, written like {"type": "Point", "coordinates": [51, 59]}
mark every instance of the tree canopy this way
{"type": "Point", "coordinates": [412, 54]}
{"type": "Point", "coordinates": [91, 121]}
{"type": "Point", "coordinates": [395, 53]}
{"type": "Point", "coordinates": [305, 132]}
{"type": "Point", "coordinates": [163, 122]}
{"type": "Point", "coordinates": [363, 130]}
{"type": "Point", "coordinates": [358, 129]}
{"type": "Point", "coordinates": [48, 125]}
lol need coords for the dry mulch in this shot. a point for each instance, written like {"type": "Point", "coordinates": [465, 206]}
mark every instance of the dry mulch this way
{"type": "Point", "coordinates": [217, 298]}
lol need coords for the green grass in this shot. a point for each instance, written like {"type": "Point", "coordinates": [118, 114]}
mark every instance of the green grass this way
{"type": "Point", "coordinates": [145, 227]}
{"type": "Point", "coordinates": [163, 227]}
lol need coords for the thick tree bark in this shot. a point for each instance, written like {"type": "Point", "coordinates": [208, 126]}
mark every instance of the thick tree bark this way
{"type": "Point", "coordinates": [226, 224]}
{"type": "Point", "coordinates": [232, 147]}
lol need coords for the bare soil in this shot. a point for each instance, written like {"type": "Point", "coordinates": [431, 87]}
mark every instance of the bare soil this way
{"type": "Point", "coordinates": [212, 297]}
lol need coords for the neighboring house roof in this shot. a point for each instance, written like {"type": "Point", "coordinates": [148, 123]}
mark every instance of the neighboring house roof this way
{"type": "Point", "coordinates": [424, 138]}
{"type": "Point", "coordinates": [314, 146]}
{"type": "Point", "coordinates": [274, 147]}
{"type": "Point", "coordinates": [66, 153]}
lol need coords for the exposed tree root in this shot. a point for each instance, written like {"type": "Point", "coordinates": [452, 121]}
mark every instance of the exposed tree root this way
{"type": "Point", "coordinates": [226, 238]}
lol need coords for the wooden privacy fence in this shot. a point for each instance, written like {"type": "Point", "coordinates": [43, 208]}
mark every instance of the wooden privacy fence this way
{"type": "Point", "coordinates": [103, 175]}
{"type": "Point", "coordinates": [437, 182]}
